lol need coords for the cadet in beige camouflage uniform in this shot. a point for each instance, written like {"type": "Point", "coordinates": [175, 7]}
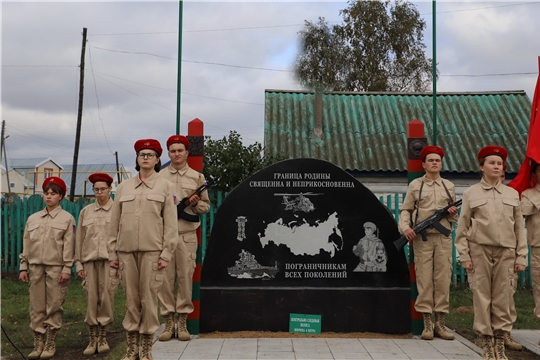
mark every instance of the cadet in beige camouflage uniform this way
{"type": "Point", "coordinates": [92, 261]}
{"type": "Point", "coordinates": [48, 252]}
{"type": "Point", "coordinates": [491, 244]}
{"type": "Point", "coordinates": [530, 206]}
{"type": "Point", "coordinates": [182, 264]}
{"type": "Point", "coordinates": [432, 258]}
{"type": "Point", "coordinates": [142, 236]}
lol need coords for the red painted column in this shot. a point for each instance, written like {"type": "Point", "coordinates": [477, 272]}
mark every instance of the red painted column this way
{"type": "Point", "coordinates": [416, 141]}
{"type": "Point", "coordinates": [195, 161]}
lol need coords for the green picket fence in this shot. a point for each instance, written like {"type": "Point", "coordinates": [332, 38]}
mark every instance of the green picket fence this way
{"type": "Point", "coordinates": [459, 275]}
{"type": "Point", "coordinates": [15, 214]}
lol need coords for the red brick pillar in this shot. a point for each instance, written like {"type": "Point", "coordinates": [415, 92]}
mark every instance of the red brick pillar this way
{"type": "Point", "coordinates": [416, 141]}
{"type": "Point", "coordinates": [195, 161]}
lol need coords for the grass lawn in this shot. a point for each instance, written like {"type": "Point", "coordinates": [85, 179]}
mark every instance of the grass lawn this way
{"type": "Point", "coordinates": [461, 316]}
{"type": "Point", "coordinates": [73, 338]}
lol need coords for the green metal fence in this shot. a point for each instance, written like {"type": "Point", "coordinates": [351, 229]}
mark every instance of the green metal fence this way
{"type": "Point", "coordinates": [459, 275]}
{"type": "Point", "coordinates": [15, 214]}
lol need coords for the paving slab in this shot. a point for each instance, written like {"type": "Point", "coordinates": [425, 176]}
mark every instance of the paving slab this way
{"type": "Point", "coordinates": [325, 348]}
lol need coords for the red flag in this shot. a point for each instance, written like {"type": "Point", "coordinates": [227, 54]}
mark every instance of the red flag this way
{"type": "Point", "coordinates": [524, 179]}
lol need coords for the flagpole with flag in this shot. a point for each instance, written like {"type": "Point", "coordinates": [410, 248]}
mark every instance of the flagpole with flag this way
{"type": "Point", "coordinates": [524, 179]}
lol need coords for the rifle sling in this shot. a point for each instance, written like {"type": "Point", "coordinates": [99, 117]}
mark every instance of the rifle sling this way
{"type": "Point", "coordinates": [420, 196]}
{"type": "Point", "coordinates": [418, 203]}
{"type": "Point", "coordinates": [447, 192]}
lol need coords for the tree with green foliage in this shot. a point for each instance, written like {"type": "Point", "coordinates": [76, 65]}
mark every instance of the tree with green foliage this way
{"type": "Point", "coordinates": [227, 162]}
{"type": "Point", "coordinates": [378, 47]}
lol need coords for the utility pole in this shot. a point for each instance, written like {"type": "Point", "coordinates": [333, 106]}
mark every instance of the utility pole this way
{"type": "Point", "coordinates": [3, 148]}
{"type": "Point", "coordinates": [434, 72]}
{"type": "Point", "coordinates": [179, 80]}
{"type": "Point", "coordinates": [117, 168]}
{"type": "Point", "coordinates": [79, 121]}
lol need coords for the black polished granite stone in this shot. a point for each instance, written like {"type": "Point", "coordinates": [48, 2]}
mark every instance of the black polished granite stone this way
{"type": "Point", "coordinates": [303, 236]}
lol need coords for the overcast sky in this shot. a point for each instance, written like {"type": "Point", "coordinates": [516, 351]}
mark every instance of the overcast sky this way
{"type": "Point", "coordinates": [232, 52]}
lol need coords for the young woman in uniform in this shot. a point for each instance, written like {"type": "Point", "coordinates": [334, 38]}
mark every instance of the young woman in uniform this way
{"type": "Point", "coordinates": [92, 261]}
{"type": "Point", "coordinates": [48, 252]}
{"type": "Point", "coordinates": [142, 235]}
{"type": "Point", "coordinates": [491, 244]}
{"type": "Point", "coordinates": [530, 206]}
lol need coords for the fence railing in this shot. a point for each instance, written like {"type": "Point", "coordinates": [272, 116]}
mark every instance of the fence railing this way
{"type": "Point", "coordinates": [14, 215]}
{"type": "Point", "coordinates": [459, 275]}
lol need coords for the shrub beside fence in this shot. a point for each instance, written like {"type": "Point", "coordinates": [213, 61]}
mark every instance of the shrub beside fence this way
{"type": "Point", "coordinates": [15, 214]}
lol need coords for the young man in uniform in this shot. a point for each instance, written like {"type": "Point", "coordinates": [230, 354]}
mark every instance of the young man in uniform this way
{"type": "Point", "coordinates": [432, 258]}
{"type": "Point", "coordinates": [182, 264]}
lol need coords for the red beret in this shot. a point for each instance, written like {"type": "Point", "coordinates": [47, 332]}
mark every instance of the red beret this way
{"type": "Point", "coordinates": [151, 144]}
{"type": "Point", "coordinates": [430, 149]}
{"type": "Point", "coordinates": [492, 150]}
{"type": "Point", "coordinates": [55, 180]}
{"type": "Point", "coordinates": [95, 177]}
{"type": "Point", "coordinates": [180, 139]}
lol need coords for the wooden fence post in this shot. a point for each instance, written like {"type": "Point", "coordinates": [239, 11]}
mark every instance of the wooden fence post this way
{"type": "Point", "coordinates": [416, 141]}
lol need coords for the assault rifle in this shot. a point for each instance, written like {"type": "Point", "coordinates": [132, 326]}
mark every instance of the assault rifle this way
{"type": "Point", "coordinates": [430, 222]}
{"type": "Point", "coordinates": [184, 203]}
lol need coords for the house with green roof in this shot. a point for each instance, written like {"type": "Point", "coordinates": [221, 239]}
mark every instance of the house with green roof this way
{"type": "Point", "coordinates": [366, 133]}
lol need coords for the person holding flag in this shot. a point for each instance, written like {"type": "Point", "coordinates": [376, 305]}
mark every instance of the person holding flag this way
{"type": "Point", "coordinates": [530, 207]}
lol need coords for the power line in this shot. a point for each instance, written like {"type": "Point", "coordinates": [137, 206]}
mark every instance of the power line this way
{"type": "Point", "coordinates": [191, 61]}
{"type": "Point", "coordinates": [486, 75]}
{"type": "Point", "coordinates": [294, 25]}
{"type": "Point", "coordinates": [482, 8]}
{"type": "Point", "coordinates": [183, 92]}
{"type": "Point", "coordinates": [131, 92]}
{"type": "Point", "coordinates": [40, 66]}
{"type": "Point", "coordinates": [97, 101]}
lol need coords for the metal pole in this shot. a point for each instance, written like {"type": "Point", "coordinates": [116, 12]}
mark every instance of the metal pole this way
{"type": "Point", "coordinates": [179, 80]}
{"type": "Point", "coordinates": [434, 73]}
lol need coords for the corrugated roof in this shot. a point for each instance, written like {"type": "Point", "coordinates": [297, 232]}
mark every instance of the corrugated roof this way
{"type": "Point", "coordinates": [367, 131]}
{"type": "Point", "coordinates": [85, 170]}
{"type": "Point", "coordinates": [30, 163]}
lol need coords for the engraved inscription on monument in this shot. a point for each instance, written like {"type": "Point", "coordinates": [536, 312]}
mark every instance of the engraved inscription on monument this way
{"type": "Point", "coordinates": [301, 224]}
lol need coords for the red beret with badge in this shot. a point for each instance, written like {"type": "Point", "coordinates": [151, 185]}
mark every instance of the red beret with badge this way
{"type": "Point", "coordinates": [54, 180]}
{"type": "Point", "coordinates": [95, 177]}
{"type": "Point", "coordinates": [151, 144]}
{"type": "Point", "coordinates": [492, 150]}
{"type": "Point", "coordinates": [178, 139]}
{"type": "Point", "coordinates": [431, 149]}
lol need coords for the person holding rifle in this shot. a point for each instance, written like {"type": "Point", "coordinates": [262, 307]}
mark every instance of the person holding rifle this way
{"type": "Point", "coordinates": [491, 243]}
{"type": "Point", "coordinates": [182, 265]}
{"type": "Point", "coordinates": [432, 258]}
{"type": "Point", "coordinates": [143, 233]}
